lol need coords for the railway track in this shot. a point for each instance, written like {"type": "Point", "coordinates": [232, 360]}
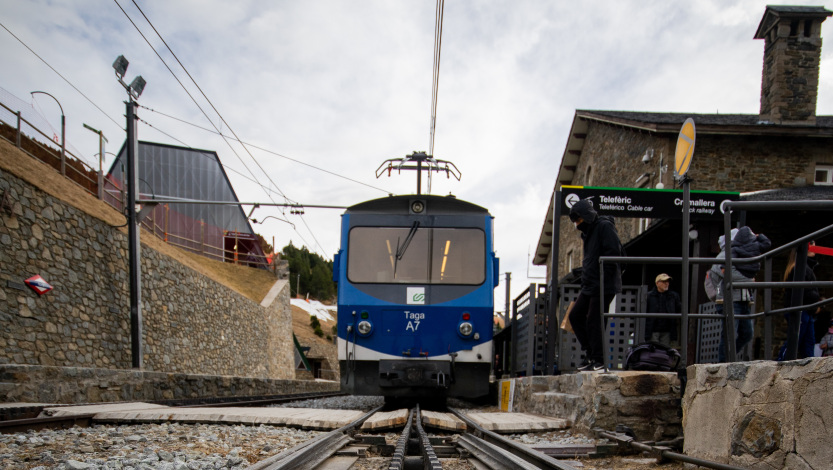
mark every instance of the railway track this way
{"type": "Point", "coordinates": [347, 448]}
{"type": "Point", "coordinates": [33, 418]}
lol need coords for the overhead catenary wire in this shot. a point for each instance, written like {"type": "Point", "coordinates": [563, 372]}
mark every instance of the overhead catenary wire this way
{"type": "Point", "coordinates": [208, 100]}
{"type": "Point", "coordinates": [62, 77]}
{"type": "Point", "coordinates": [435, 86]}
{"type": "Point", "coordinates": [212, 106]}
{"type": "Point", "coordinates": [186, 90]}
{"type": "Point", "coordinates": [267, 150]}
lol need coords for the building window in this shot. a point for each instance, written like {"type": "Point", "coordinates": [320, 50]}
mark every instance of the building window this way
{"type": "Point", "coordinates": [643, 225]}
{"type": "Point", "coordinates": [588, 176]}
{"type": "Point", "coordinates": [824, 175]}
{"type": "Point", "coordinates": [569, 260]}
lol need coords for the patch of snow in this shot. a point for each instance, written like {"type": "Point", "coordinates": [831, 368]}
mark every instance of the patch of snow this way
{"type": "Point", "coordinates": [316, 308]}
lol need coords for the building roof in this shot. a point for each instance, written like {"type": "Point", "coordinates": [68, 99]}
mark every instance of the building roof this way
{"type": "Point", "coordinates": [664, 123]}
{"type": "Point", "coordinates": [774, 12]}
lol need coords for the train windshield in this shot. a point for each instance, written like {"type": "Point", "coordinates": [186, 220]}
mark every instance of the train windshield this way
{"type": "Point", "coordinates": [417, 255]}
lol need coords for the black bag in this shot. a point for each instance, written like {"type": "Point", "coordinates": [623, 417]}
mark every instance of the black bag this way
{"type": "Point", "coordinates": [652, 356]}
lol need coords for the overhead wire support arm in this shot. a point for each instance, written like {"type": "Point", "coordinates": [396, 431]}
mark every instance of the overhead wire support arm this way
{"type": "Point", "coordinates": [419, 161]}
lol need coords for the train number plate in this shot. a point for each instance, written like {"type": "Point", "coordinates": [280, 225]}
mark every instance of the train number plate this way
{"type": "Point", "coordinates": [405, 323]}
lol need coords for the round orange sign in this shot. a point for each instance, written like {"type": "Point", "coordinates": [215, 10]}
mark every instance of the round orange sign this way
{"type": "Point", "coordinates": [685, 147]}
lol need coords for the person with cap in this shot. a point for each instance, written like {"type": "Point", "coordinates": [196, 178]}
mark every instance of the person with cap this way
{"type": "Point", "coordinates": [600, 239]}
{"type": "Point", "coordinates": [662, 300]}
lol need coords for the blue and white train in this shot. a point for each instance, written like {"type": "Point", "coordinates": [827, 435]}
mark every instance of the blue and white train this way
{"type": "Point", "coordinates": [416, 277]}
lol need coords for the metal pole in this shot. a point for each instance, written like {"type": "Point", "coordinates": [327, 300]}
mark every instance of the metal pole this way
{"type": "Point", "coordinates": [767, 308]}
{"type": "Point", "coordinates": [794, 319]}
{"type": "Point", "coordinates": [101, 165]}
{"type": "Point", "coordinates": [17, 138]}
{"type": "Point", "coordinates": [63, 130]}
{"type": "Point", "coordinates": [508, 295]}
{"type": "Point", "coordinates": [133, 243]}
{"type": "Point", "coordinates": [63, 144]}
{"type": "Point", "coordinates": [552, 289]}
{"type": "Point", "coordinates": [728, 302]}
{"type": "Point", "coordinates": [419, 177]}
{"type": "Point", "coordinates": [684, 281]}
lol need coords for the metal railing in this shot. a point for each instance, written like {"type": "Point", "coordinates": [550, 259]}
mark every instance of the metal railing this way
{"type": "Point", "coordinates": [74, 169]}
{"type": "Point", "coordinates": [88, 179]}
{"type": "Point", "coordinates": [767, 285]}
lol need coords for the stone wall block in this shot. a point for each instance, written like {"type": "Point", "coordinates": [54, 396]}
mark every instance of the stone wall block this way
{"type": "Point", "coordinates": [191, 323]}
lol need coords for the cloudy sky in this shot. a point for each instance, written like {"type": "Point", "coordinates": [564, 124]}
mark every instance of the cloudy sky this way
{"type": "Point", "coordinates": [342, 86]}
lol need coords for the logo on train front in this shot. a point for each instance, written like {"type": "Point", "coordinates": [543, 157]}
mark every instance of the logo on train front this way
{"type": "Point", "coordinates": [416, 295]}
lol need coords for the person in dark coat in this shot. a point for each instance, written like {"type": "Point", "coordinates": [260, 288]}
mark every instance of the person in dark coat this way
{"type": "Point", "coordinates": [662, 300]}
{"type": "Point", "coordinates": [600, 239]}
{"type": "Point", "coordinates": [744, 244]}
{"type": "Point", "coordinates": [807, 330]}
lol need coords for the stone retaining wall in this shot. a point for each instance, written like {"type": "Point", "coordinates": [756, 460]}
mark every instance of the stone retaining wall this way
{"type": "Point", "coordinates": [37, 384]}
{"type": "Point", "coordinates": [646, 402]}
{"type": "Point", "coordinates": [761, 414]}
{"type": "Point", "coordinates": [191, 324]}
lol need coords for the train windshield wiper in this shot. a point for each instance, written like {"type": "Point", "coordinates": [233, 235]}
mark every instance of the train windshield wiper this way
{"type": "Point", "coordinates": [400, 250]}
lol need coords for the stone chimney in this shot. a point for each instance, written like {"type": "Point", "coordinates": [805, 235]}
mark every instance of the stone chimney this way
{"type": "Point", "coordinates": [792, 52]}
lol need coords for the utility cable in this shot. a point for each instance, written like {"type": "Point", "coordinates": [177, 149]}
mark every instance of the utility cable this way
{"type": "Point", "coordinates": [187, 92]}
{"type": "Point", "coordinates": [200, 108]}
{"type": "Point", "coordinates": [64, 78]}
{"type": "Point", "coordinates": [312, 233]}
{"type": "Point", "coordinates": [208, 100]}
{"type": "Point", "coordinates": [435, 87]}
{"type": "Point", "coordinates": [203, 154]}
{"type": "Point", "coordinates": [265, 150]}
{"type": "Point", "coordinates": [212, 106]}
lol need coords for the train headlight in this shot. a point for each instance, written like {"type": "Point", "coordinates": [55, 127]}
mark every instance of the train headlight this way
{"type": "Point", "coordinates": [465, 328]}
{"type": "Point", "coordinates": [365, 327]}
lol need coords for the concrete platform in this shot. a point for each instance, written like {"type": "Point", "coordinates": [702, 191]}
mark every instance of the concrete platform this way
{"type": "Point", "coordinates": [510, 423]}
{"type": "Point", "coordinates": [386, 420]}
{"type": "Point", "coordinates": [306, 418]}
{"type": "Point", "coordinates": [445, 421]}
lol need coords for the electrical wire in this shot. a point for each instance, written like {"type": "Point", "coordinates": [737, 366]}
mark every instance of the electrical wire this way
{"type": "Point", "coordinates": [266, 150]}
{"type": "Point", "coordinates": [237, 138]}
{"type": "Point", "coordinates": [286, 198]}
{"type": "Point", "coordinates": [311, 233]}
{"type": "Point", "coordinates": [208, 100]}
{"type": "Point", "coordinates": [64, 78]}
{"type": "Point", "coordinates": [202, 153]}
{"type": "Point", "coordinates": [187, 92]}
{"type": "Point", "coordinates": [435, 86]}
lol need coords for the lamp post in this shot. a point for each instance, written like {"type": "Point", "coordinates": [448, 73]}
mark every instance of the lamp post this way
{"type": "Point", "coordinates": [132, 182]}
{"type": "Point", "coordinates": [63, 131]}
{"type": "Point", "coordinates": [101, 140]}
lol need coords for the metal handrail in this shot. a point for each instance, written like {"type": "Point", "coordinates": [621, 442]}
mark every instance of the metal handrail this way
{"type": "Point", "coordinates": [22, 119]}
{"type": "Point", "coordinates": [261, 260]}
{"type": "Point", "coordinates": [767, 285]}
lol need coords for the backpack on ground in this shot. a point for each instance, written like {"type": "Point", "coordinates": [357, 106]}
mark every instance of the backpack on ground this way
{"type": "Point", "coordinates": [653, 357]}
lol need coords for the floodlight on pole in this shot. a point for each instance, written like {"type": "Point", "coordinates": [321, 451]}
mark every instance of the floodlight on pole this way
{"type": "Point", "coordinates": [63, 131]}
{"type": "Point", "coordinates": [120, 66]}
{"type": "Point", "coordinates": [136, 87]}
{"type": "Point", "coordinates": [132, 183]}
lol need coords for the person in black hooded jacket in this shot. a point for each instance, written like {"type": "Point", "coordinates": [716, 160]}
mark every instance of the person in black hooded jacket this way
{"type": "Point", "coordinates": [600, 239]}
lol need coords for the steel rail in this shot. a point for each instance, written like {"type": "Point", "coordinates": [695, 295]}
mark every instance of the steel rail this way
{"type": "Point", "coordinates": [397, 462]}
{"type": "Point", "coordinates": [430, 459]}
{"type": "Point", "coordinates": [311, 453]}
{"type": "Point", "coordinates": [491, 455]}
{"type": "Point", "coordinates": [45, 422]}
{"type": "Point", "coordinates": [661, 452]}
{"type": "Point", "coordinates": [534, 457]}
{"type": "Point", "coordinates": [260, 400]}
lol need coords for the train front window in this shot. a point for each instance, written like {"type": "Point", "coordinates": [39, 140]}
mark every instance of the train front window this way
{"type": "Point", "coordinates": [417, 255]}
